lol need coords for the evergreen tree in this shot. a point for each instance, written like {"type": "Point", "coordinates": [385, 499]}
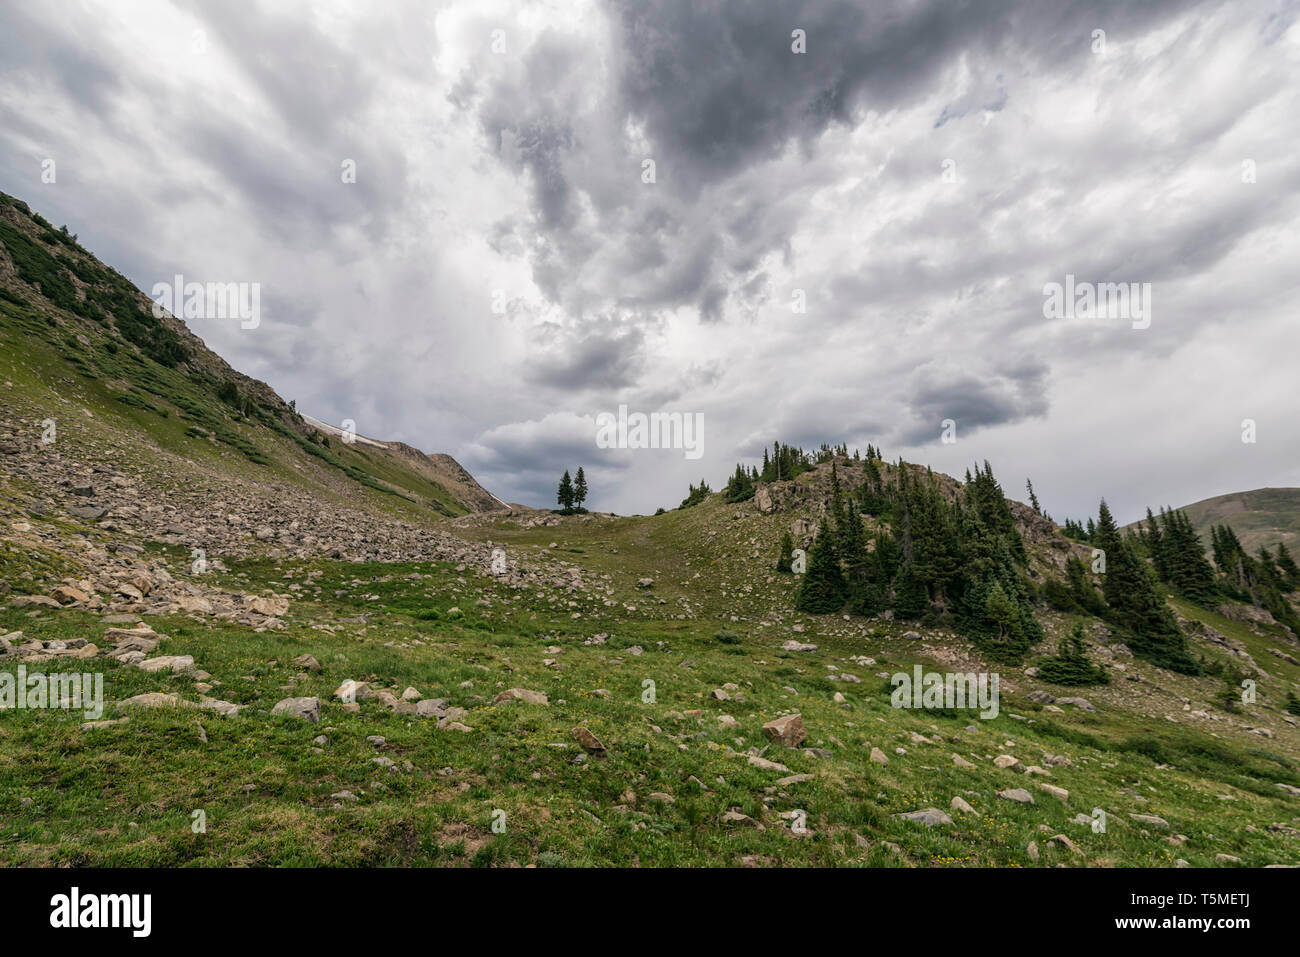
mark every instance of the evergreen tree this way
{"type": "Point", "coordinates": [1082, 589]}
{"type": "Point", "coordinates": [1070, 666]}
{"type": "Point", "coordinates": [822, 589]}
{"type": "Point", "coordinates": [1156, 546]}
{"type": "Point", "coordinates": [580, 488]}
{"type": "Point", "coordinates": [740, 487]}
{"type": "Point", "coordinates": [565, 494]}
{"type": "Point", "coordinates": [697, 494]}
{"type": "Point", "coordinates": [1184, 562]}
{"type": "Point", "coordinates": [785, 561]}
{"type": "Point", "coordinates": [1033, 499]}
{"type": "Point", "coordinates": [910, 600]}
{"type": "Point", "coordinates": [1287, 566]}
{"type": "Point", "coordinates": [1136, 605]}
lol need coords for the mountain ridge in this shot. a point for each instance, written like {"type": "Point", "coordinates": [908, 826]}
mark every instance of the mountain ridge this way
{"type": "Point", "coordinates": [68, 311]}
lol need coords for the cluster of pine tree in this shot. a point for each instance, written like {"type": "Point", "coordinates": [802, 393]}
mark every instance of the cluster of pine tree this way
{"type": "Point", "coordinates": [572, 493]}
{"type": "Point", "coordinates": [1260, 579]}
{"type": "Point", "coordinates": [1078, 531]}
{"type": "Point", "coordinates": [697, 494]}
{"type": "Point", "coordinates": [785, 463]}
{"type": "Point", "coordinates": [1134, 603]}
{"type": "Point", "coordinates": [960, 560]}
{"type": "Point", "coordinates": [742, 485]}
{"type": "Point", "coordinates": [1178, 556]}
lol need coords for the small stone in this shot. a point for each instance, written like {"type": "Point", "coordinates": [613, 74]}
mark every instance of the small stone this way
{"type": "Point", "coordinates": [590, 743]}
{"type": "Point", "coordinates": [1065, 842]}
{"type": "Point", "coordinates": [787, 731]}
{"type": "Point", "coordinates": [1019, 795]}
{"type": "Point", "coordinates": [1150, 819]}
{"type": "Point", "coordinates": [521, 694]}
{"type": "Point", "coordinates": [1060, 794]}
{"type": "Point", "coordinates": [930, 817]}
{"type": "Point", "coordinates": [306, 708]}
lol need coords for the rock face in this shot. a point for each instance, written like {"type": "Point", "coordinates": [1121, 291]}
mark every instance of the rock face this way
{"type": "Point", "coordinates": [306, 708]}
{"type": "Point", "coordinates": [787, 731]}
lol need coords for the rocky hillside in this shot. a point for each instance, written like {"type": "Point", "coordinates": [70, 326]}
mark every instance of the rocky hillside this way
{"type": "Point", "coordinates": [82, 344]}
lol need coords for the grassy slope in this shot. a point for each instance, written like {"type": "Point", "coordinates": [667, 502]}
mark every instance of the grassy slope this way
{"type": "Point", "coordinates": [1262, 517]}
{"type": "Point", "coordinates": [125, 795]}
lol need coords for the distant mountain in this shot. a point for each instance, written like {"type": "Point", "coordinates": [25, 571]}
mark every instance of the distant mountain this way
{"type": "Point", "coordinates": [79, 331]}
{"type": "Point", "coordinates": [1264, 516]}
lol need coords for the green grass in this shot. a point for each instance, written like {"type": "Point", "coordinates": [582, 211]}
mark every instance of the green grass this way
{"type": "Point", "coordinates": [125, 795]}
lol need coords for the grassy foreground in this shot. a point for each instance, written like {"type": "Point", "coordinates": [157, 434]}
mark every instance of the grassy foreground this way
{"type": "Point", "coordinates": [127, 794]}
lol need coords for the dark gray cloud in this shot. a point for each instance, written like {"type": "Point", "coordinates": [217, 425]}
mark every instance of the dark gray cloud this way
{"type": "Point", "coordinates": [605, 357]}
{"type": "Point", "coordinates": [940, 394]}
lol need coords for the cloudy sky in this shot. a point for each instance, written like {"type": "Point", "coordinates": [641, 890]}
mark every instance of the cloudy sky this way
{"type": "Point", "coordinates": [504, 267]}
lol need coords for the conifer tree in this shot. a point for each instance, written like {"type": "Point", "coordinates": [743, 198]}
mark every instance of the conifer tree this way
{"type": "Point", "coordinates": [1287, 566]}
{"type": "Point", "coordinates": [579, 488]}
{"type": "Point", "coordinates": [1135, 603]}
{"type": "Point", "coordinates": [1183, 560]}
{"type": "Point", "coordinates": [785, 560]}
{"type": "Point", "coordinates": [910, 600]}
{"type": "Point", "coordinates": [822, 589]}
{"type": "Point", "coordinates": [565, 494]}
{"type": "Point", "coordinates": [1071, 666]}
